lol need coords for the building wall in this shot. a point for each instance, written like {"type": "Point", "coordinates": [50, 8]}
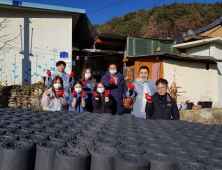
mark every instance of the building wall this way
{"type": "Point", "coordinates": [197, 83]}
{"type": "Point", "coordinates": [214, 32]}
{"type": "Point", "coordinates": [34, 42]}
{"type": "Point", "coordinates": [214, 50]}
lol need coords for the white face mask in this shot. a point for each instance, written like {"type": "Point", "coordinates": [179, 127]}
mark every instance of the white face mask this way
{"type": "Point", "coordinates": [78, 90]}
{"type": "Point", "coordinates": [57, 86]}
{"type": "Point", "coordinates": [88, 75]}
{"type": "Point", "coordinates": [113, 72]}
{"type": "Point", "coordinates": [100, 90]}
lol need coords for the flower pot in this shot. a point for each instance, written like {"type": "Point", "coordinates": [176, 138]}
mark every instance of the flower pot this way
{"type": "Point", "coordinates": [209, 104]}
{"type": "Point", "coordinates": [196, 107]}
{"type": "Point", "coordinates": [189, 106]}
{"type": "Point", "coordinates": [202, 103]}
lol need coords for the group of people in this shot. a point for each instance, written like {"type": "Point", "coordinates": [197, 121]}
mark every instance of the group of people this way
{"type": "Point", "coordinates": [150, 100]}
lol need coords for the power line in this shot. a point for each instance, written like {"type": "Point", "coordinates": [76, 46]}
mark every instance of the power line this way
{"type": "Point", "coordinates": [154, 4]}
{"type": "Point", "coordinates": [105, 7]}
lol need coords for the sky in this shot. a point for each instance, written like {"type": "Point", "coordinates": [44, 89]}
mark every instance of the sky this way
{"type": "Point", "coordinates": [119, 9]}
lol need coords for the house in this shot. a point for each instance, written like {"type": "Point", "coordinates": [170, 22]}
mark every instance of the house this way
{"type": "Point", "coordinates": [105, 49]}
{"type": "Point", "coordinates": [33, 37]}
{"type": "Point", "coordinates": [206, 41]}
{"type": "Point", "coordinates": [196, 75]}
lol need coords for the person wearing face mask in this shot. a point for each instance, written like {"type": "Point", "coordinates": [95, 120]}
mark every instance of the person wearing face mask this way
{"type": "Point", "coordinates": [89, 84]}
{"type": "Point", "coordinates": [55, 98]}
{"type": "Point", "coordinates": [115, 82]}
{"type": "Point", "coordinates": [162, 105]}
{"type": "Point", "coordinates": [68, 79]}
{"type": "Point", "coordinates": [140, 90]}
{"type": "Point", "coordinates": [78, 99]}
{"type": "Point", "coordinates": [102, 101]}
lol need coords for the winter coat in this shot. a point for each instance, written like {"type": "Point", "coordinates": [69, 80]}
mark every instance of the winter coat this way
{"type": "Point", "coordinates": [78, 107]}
{"type": "Point", "coordinates": [100, 106]}
{"type": "Point", "coordinates": [139, 102]}
{"type": "Point", "coordinates": [55, 104]}
{"type": "Point", "coordinates": [89, 89]}
{"type": "Point", "coordinates": [67, 82]}
{"type": "Point", "coordinates": [117, 91]}
{"type": "Point", "coordinates": [166, 109]}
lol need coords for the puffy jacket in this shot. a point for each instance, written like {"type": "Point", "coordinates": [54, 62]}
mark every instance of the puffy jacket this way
{"type": "Point", "coordinates": [117, 91]}
{"type": "Point", "coordinates": [166, 109]}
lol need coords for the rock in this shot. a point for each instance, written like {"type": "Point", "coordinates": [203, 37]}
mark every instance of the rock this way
{"type": "Point", "coordinates": [204, 116]}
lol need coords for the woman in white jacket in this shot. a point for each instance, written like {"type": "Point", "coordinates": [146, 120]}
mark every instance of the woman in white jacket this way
{"type": "Point", "coordinates": [55, 98]}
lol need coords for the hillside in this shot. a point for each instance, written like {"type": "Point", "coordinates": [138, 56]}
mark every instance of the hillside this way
{"type": "Point", "coordinates": [167, 21]}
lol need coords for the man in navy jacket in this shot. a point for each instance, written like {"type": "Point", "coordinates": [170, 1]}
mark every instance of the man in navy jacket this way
{"type": "Point", "coordinates": [115, 82]}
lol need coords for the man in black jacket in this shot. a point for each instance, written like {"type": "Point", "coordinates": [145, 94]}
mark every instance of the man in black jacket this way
{"type": "Point", "coordinates": [162, 105]}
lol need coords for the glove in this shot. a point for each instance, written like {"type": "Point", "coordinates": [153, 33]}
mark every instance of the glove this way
{"type": "Point", "coordinates": [83, 94]}
{"type": "Point", "coordinates": [95, 95]}
{"type": "Point", "coordinates": [131, 86]}
{"type": "Point", "coordinates": [128, 102]}
{"type": "Point", "coordinates": [74, 94]}
{"type": "Point", "coordinates": [148, 97]}
{"type": "Point", "coordinates": [111, 80]}
{"type": "Point", "coordinates": [60, 94]}
{"type": "Point", "coordinates": [71, 75]}
{"type": "Point", "coordinates": [84, 84]}
{"type": "Point", "coordinates": [107, 93]}
{"type": "Point", "coordinates": [48, 73]}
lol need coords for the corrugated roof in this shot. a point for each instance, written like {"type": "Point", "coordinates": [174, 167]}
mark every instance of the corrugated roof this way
{"type": "Point", "coordinates": [35, 6]}
{"type": "Point", "coordinates": [184, 57]}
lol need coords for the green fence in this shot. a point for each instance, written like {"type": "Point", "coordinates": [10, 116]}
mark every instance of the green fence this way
{"type": "Point", "coordinates": [142, 46]}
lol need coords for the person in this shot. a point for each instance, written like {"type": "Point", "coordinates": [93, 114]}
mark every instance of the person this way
{"type": "Point", "coordinates": [68, 79]}
{"type": "Point", "coordinates": [55, 98]}
{"type": "Point", "coordinates": [138, 89]}
{"type": "Point", "coordinates": [89, 84]}
{"type": "Point", "coordinates": [161, 105]}
{"type": "Point", "coordinates": [102, 100]}
{"type": "Point", "coordinates": [78, 98]}
{"type": "Point", "coordinates": [115, 82]}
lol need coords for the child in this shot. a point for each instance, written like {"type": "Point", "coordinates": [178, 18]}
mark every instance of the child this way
{"type": "Point", "coordinates": [78, 98]}
{"type": "Point", "coordinates": [54, 98]}
{"type": "Point", "coordinates": [102, 100]}
{"type": "Point", "coordinates": [138, 89]}
{"type": "Point", "coordinates": [68, 79]}
{"type": "Point", "coordinates": [162, 105]}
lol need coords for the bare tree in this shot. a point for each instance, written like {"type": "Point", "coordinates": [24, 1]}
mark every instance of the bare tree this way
{"type": "Point", "coordinates": [5, 39]}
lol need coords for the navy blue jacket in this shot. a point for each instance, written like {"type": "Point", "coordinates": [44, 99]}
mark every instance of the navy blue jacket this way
{"type": "Point", "coordinates": [116, 91]}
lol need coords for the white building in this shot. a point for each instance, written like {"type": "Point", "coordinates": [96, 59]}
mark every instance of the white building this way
{"type": "Point", "coordinates": [33, 37]}
{"type": "Point", "coordinates": [206, 41]}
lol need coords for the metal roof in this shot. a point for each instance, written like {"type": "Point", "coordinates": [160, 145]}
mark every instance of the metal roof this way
{"type": "Point", "coordinates": [183, 57]}
{"type": "Point", "coordinates": [112, 37]}
{"type": "Point", "coordinates": [35, 6]}
{"type": "Point", "coordinates": [198, 43]}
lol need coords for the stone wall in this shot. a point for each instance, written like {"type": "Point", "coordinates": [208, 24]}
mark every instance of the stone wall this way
{"type": "Point", "coordinates": [204, 116]}
{"type": "Point", "coordinates": [16, 96]}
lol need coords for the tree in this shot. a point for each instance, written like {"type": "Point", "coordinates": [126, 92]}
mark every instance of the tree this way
{"type": "Point", "coordinates": [5, 38]}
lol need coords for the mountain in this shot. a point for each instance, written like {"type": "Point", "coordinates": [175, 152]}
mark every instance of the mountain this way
{"type": "Point", "coordinates": [167, 21]}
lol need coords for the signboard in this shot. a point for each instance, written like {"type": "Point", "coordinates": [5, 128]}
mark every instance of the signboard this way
{"type": "Point", "coordinates": [64, 54]}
